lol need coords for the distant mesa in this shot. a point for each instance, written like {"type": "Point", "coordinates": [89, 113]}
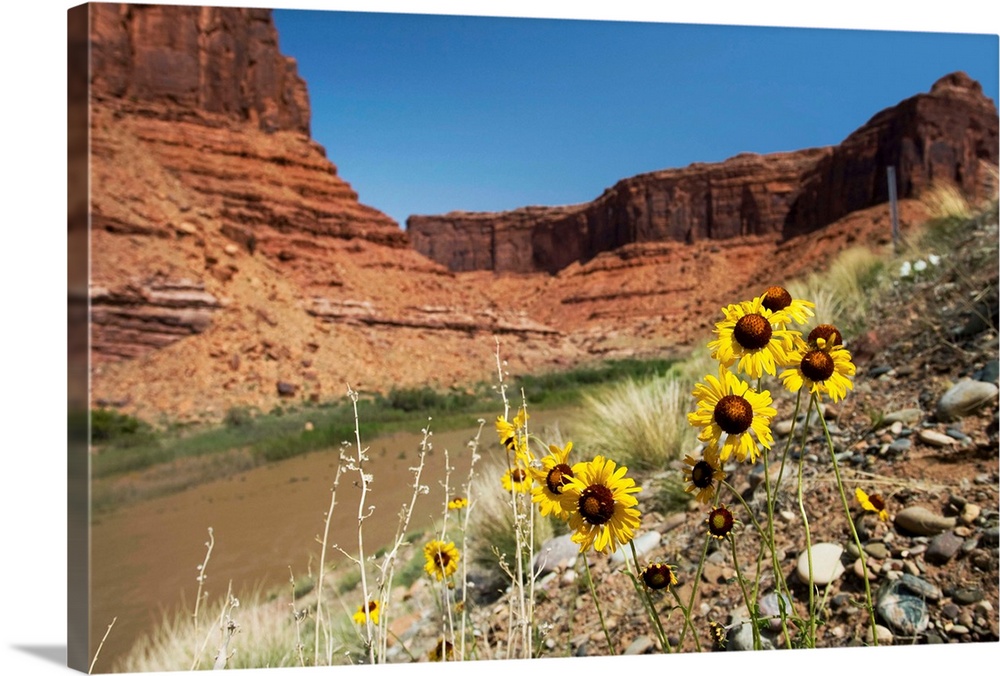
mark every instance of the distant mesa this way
{"type": "Point", "coordinates": [947, 134]}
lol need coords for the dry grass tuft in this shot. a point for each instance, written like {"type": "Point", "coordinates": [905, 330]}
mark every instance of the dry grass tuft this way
{"type": "Point", "coordinates": [640, 423]}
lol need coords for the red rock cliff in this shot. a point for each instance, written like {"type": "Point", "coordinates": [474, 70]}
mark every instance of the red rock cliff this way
{"type": "Point", "coordinates": [200, 148]}
{"type": "Point", "coordinates": [947, 134]}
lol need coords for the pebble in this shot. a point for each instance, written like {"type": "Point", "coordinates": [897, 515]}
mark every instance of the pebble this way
{"type": "Point", "coordinates": [964, 398]}
{"type": "Point", "coordinates": [782, 428]}
{"type": "Point", "coordinates": [639, 646]}
{"type": "Point", "coordinates": [950, 611]}
{"type": "Point", "coordinates": [991, 536]}
{"type": "Point", "coordinates": [900, 446]}
{"type": "Point", "coordinates": [904, 416]}
{"type": "Point", "coordinates": [904, 613]}
{"type": "Point", "coordinates": [740, 638]}
{"type": "Point", "coordinates": [555, 554]}
{"type": "Point", "coordinates": [921, 587]}
{"type": "Point", "coordinates": [958, 435]}
{"type": "Point", "coordinates": [969, 545]}
{"type": "Point", "coordinates": [896, 428]}
{"type": "Point", "coordinates": [877, 550]}
{"type": "Point", "coordinates": [770, 604]}
{"type": "Point", "coordinates": [968, 595]}
{"type": "Point", "coordinates": [935, 438]}
{"type": "Point", "coordinates": [825, 562]}
{"type": "Point", "coordinates": [922, 521]}
{"type": "Point", "coordinates": [970, 513]}
{"type": "Point", "coordinates": [859, 571]}
{"type": "Point", "coordinates": [884, 635]}
{"type": "Point", "coordinates": [943, 548]}
{"type": "Point", "coordinates": [989, 373]}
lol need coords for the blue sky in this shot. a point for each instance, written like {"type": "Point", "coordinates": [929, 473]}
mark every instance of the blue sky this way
{"type": "Point", "coordinates": [425, 114]}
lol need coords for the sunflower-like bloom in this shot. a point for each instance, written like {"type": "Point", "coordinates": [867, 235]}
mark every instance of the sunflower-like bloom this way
{"type": "Point", "coordinates": [720, 522]}
{"type": "Point", "coordinates": [872, 503]}
{"type": "Point", "coordinates": [444, 651]}
{"type": "Point", "coordinates": [728, 405]}
{"type": "Point", "coordinates": [458, 503]}
{"type": "Point", "coordinates": [516, 479]}
{"type": "Point", "coordinates": [359, 616]}
{"type": "Point", "coordinates": [702, 478]}
{"type": "Point", "coordinates": [550, 478]}
{"type": "Point", "coordinates": [829, 333]}
{"type": "Point", "coordinates": [657, 575]}
{"type": "Point", "coordinates": [777, 299]}
{"type": "Point", "coordinates": [511, 433]}
{"type": "Point", "coordinates": [442, 558]}
{"type": "Point", "coordinates": [753, 337]}
{"type": "Point", "coordinates": [602, 510]}
{"type": "Point", "coordinates": [823, 369]}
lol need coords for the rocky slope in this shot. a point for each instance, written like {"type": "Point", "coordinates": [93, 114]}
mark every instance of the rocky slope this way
{"type": "Point", "coordinates": [228, 252]}
{"type": "Point", "coordinates": [920, 428]}
{"type": "Point", "coordinates": [944, 135]}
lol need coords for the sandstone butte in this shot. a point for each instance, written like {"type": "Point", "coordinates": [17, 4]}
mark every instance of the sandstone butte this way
{"type": "Point", "coordinates": [232, 265]}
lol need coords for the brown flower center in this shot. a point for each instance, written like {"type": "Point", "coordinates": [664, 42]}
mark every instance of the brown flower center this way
{"type": "Point", "coordinates": [877, 502]}
{"type": "Point", "coordinates": [720, 522]}
{"type": "Point", "coordinates": [827, 332]}
{"type": "Point", "coordinates": [734, 414]}
{"type": "Point", "coordinates": [517, 475]}
{"type": "Point", "coordinates": [817, 366]}
{"type": "Point", "coordinates": [777, 298]}
{"type": "Point", "coordinates": [752, 332]}
{"type": "Point", "coordinates": [372, 607]}
{"type": "Point", "coordinates": [443, 558]}
{"type": "Point", "coordinates": [658, 576]}
{"type": "Point", "coordinates": [597, 504]}
{"type": "Point", "coordinates": [702, 474]}
{"type": "Point", "coordinates": [558, 477]}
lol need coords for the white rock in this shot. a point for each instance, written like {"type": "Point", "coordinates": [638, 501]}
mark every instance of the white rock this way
{"type": "Point", "coordinates": [825, 563]}
{"type": "Point", "coordinates": [935, 438]}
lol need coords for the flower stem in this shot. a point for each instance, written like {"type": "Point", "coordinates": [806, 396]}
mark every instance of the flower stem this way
{"type": "Point", "coordinates": [850, 522]}
{"type": "Point", "coordinates": [648, 602]}
{"type": "Point", "coordinates": [751, 607]}
{"type": "Point", "coordinates": [811, 627]}
{"type": "Point", "coordinates": [687, 619]}
{"type": "Point", "coordinates": [597, 604]}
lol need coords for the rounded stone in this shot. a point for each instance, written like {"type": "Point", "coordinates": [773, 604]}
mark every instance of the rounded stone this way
{"type": "Point", "coordinates": [943, 548]}
{"type": "Point", "coordinates": [825, 563]}
{"type": "Point", "coordinates": [965, 397]}
{"type": "Point", "coordinates": [905, 614]}
{"type": "Point", "coordinates": [922, 521]}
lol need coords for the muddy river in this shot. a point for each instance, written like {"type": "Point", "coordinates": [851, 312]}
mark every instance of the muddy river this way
{"type": "Point", "coordinates": [145, 557]}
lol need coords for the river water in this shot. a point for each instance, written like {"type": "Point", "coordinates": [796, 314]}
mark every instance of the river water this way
{"type": "Point", "coordinates": [145, 558]}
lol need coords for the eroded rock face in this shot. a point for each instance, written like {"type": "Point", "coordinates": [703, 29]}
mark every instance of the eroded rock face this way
{"type": "Point", "coordinates": [211, 59]}
{"type": "Point", "coordinates": [949, 134]}
{"type": "Point", "coordinates": [200, 157]}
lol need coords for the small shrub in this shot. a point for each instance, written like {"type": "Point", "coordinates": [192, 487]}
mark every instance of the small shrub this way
{"type": "Point", "coordinates": [110, 426]}
{"type": "Point", "coordinates": [238, 416]}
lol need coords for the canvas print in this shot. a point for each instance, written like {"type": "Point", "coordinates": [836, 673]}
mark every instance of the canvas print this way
{"type": "Point", "coordinates": [406, 338]}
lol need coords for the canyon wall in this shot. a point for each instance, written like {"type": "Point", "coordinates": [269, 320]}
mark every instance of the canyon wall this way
{"type": "Point", "coordinates": [948, 134]}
